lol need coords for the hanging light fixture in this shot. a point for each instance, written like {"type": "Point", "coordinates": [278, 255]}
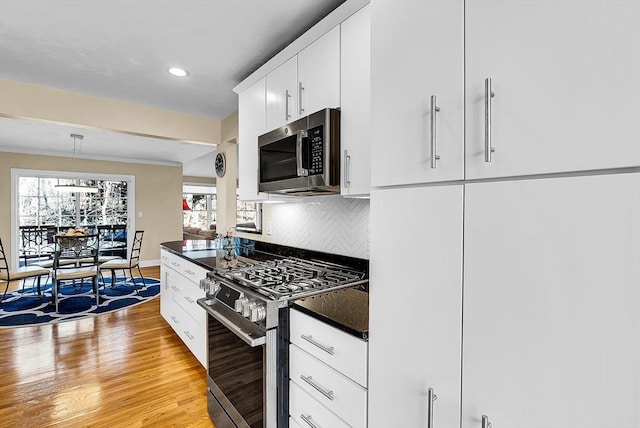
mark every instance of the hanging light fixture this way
{"type": "Point", "coordinates": [74, 187]}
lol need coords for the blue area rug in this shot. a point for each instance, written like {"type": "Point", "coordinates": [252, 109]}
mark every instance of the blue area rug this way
{"type": "Point", "coordinates": [25, 307]}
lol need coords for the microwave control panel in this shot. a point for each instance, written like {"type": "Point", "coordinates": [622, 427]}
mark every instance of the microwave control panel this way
{"type": "Point", "coordinates": [316, 151]}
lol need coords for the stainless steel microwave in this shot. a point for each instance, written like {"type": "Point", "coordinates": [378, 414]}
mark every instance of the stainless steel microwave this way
{"type": "Point", "coordinates": [302, 158]}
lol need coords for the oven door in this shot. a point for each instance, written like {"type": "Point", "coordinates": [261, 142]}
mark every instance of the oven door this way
{"type": "Point", "coordinates": [240, 357]}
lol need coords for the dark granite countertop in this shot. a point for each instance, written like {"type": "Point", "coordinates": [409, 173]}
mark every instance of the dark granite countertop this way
{"type": "Point", "coordinates": [199, 251]}
{"type": "Point", "coordinates": [346, 309]}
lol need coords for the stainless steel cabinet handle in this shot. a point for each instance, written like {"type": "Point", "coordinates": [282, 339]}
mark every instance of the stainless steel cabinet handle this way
{"type": "Point", "coordinates": [327, 349]}
{"type": "Point", "coordinates": [175, 288]}
{"type": "Point", "coordinates": [302, 172]}
{"type": "Point", "coordinates": [287, 116]}
{"type": "Point", "coordinates": [347, 164]}
{"type": "Point", "coordinates": [175, 264]}
{"type": "Point", "coordinates": [309, 421]}
{"type": "Point", "coordinates": [488, 95]}
{"type": "Point", "coordinates": [300, 90]}
{"type": "Point", "coordinates": [188, 299]}
{"type": "Point", "coordinates": [485, 422]}
{"type": "Point", "coordinates": [175, 320]}
{"type": "Point", "coordinates": [189, 271]}
{"type": "Point", "coordinates": [433, 136]}
{"type": "Point", "coordinates": [321, 390]}
{"type": "Point", "coordinates": [431, 397]}
{"type": "Point", "coordinates": [189, 335]}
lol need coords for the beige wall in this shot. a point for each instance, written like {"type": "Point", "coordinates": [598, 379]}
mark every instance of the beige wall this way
{"type": "Point", "coordinates": [23, 100]}
{"type": "Point", "coordinates": [158, 195]}
{"type": "Point", "coordinates": [226, 186]}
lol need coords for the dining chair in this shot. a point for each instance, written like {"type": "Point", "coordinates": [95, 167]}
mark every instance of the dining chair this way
{"type": "Point", "coordinates": [124, 265]}
{"type": "Point", "coordinates": [76, 258]}
{"type": "Point", "coordinates": [7, 275]}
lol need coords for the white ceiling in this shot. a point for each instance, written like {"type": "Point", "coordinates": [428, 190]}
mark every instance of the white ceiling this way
{"type": "Point", "coordinates": [121, 49]}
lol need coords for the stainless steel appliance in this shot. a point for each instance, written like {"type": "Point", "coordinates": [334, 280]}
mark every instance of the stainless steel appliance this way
{"type": "Point", "coordinates": [303, 157]}
{"type": "Point", "coordinates": [248, 334]}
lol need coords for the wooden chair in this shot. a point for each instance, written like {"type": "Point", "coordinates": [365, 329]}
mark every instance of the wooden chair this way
{"type": "Point", "coordinates": [7, 275]}
{"type": "Point", "coordinates": [76, 258]}
{"type": "Point", "coordinates": [124, 265]}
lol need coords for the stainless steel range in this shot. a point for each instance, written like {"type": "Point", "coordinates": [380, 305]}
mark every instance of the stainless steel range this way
{"type": "Point", "coordinates": [248, 333]}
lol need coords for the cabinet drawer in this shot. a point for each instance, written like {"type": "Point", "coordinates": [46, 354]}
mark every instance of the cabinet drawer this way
{"type": "Point", "coordinates": [340, 350]}
{"type": "Point", "coordinates": [307, 412]}
{"type": "Point", "coordinates": [338, 393]}
{"type": "Point", "coordinates": [185, 292]}
{"type": "Point", "coordinates": [186, 268]}
{"type": "Point", "coordinates": [190, 332]}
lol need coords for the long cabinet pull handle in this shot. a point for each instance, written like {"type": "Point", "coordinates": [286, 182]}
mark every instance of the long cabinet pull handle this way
{"type": "Point", "coordinates": [287, 116]}
{"type": "Point", "coordinates": [309, 420]}
{"type": "Point", "coordinates": [433, 135]}
{"type": "Point", "coordinates": [189, 335]}
{"type": "Point", "coordinates": [485, 422]}
{"type": "Point", "coordinates": [488, 96]}
{"type": "Point", "coordinates": [321, 390]}
{"type": "Point", "coordinates": [188, 299]}
{"type": "Point", "coordinates": [347, 165]}
{"type": "Point", "coordinates": [300, 91]}
{"type": "Point", "coordinates": [431, 397]}
{"type": "Point", "coordinates": [311, 340]}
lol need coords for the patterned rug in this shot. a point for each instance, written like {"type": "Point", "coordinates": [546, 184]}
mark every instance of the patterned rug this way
{"type": "Point", "coordinates": [25, 307]}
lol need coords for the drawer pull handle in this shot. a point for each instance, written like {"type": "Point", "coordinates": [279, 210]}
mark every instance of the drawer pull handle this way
{"type": "Point", "coordinates": [188, 299]}
{"type": "Point", "coordinates": [309, 421]}
{"type": "Point", "coordinates": [321, 390]}
{"type": "Point", "coordinates": [190, 272]}
{"type": "Point", "coordinates": [175, 320]}
{"type": "Point", "coordinates": [189, 335]}
{"type": "Point", "coordinates": [327, 349]}
{"type": "Point", "coordinates": [175, 288]}
{"type": "Point", "coordinates": [175, 264]}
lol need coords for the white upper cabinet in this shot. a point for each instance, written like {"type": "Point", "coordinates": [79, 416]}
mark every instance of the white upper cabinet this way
{"type": "Point", "coordinates": [417, 54]}
{"type": "Point", "coordinates": [319, 74]}
{"type": "Point", "coordinates": [551, 325]}
{"type": "Point", "coordinates": [282, 94]}
{"type": "Point", "coordinates": [566, 79]}
{"type": "Point", "coordinates": [306, 83]}
{"type": "Point", "coordinates": [251, 124]}
{"type": "Point", "coordinates": [355, 117]}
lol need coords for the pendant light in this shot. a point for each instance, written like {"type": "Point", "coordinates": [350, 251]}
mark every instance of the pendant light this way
{"type": "Point", "coordinates": [74, 187]}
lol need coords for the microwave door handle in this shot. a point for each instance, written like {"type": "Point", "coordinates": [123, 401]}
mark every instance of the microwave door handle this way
{"type": "Point", "coordinates": [302, 172]}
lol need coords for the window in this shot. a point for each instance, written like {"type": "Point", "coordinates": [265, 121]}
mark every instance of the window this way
{"type": "Point", "coordinates": [248, 216]}
{"type": "Point", "coordinates": [201, 212]}
{"type": "Point", "coordinates": [39, 202]}
{"type": "Point", "coordinates": [36, 202]}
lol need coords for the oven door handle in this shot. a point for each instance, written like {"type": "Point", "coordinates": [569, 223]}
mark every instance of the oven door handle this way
{"type": "Point", "coordinates": [248, 332]}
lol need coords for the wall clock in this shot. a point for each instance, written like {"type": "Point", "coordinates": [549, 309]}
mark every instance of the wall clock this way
{"type": "Point", "coordinates": [220, 165]}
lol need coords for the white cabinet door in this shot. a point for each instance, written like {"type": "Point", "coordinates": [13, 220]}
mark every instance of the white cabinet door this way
{"type": "Point", "coordinates": [551, 290]}
{"type": "Point", "coordinates": [282, 94]}
{"type": "Point", "coordinates": [415, 299]}
{"type": "Point", "coordinates": [251, 124]}
{"type": "Point", "coordinates": [416, 53]}
{"type": "Point", "coordinates": [355, 117]}
{"type": "Point", "coordinates": [565, 74]}
{"type": "Point", "coordinates": [319, 74]}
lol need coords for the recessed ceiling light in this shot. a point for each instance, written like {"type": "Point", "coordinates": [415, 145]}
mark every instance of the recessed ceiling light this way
{"type": "Point", "coordinates": [178, 72]}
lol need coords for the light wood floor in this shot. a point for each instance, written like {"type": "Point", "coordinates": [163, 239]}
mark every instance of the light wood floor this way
{"type": "Point", "coordinates": [122, 369]}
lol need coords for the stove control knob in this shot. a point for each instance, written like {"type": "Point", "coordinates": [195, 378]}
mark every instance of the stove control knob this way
{"type": "Point", "coordinates": [246, 308]}
{"type": "Point", "coordinates": [258, 312]}
{"type": "Point", "coordinates": [240, 304]}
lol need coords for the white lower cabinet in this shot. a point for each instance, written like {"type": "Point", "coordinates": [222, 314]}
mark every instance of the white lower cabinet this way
{"type": "Point", "coordinates": [179, 292]}
{"type": "Point", "coordinates": [321, 394]}
{"type": "Point", "coordinates": [529, 318]}
{"type": "Point", "coordinates": [551, 290]}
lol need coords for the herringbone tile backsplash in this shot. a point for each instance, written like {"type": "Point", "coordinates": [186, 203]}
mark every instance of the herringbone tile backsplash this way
{"type": "Point", "coordinates": [331, 224]}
